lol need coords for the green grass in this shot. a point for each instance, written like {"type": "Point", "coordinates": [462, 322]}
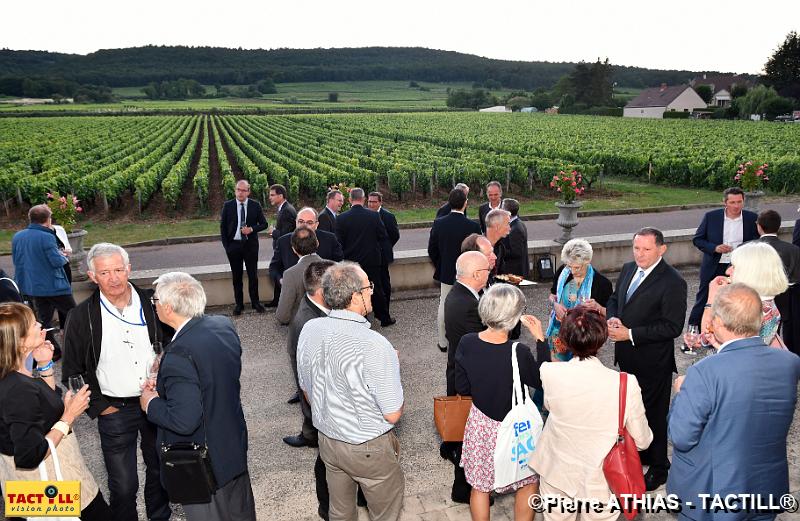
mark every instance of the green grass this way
{"type": "Point", "coordinates": [616, 194]}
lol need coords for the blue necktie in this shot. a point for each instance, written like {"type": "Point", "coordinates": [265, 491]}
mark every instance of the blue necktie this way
{"type": "Point", "coordinates": [634, 284]}
{"type": "Point", "coordinates": [242, 221]}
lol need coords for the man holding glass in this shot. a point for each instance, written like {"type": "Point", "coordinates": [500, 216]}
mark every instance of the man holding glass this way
{"type": "Point", "coordinates": [112, 339]}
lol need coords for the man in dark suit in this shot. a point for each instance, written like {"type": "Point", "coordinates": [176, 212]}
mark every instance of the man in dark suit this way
{"type": "Point", "coordinates": [304, 245]}
{"type": "Point", "coordinates": [333, 205]}
{"type": "Point", "coordinates": [241, 220]}
{"type": "Point", "coordinates": [720, 232]}
{"type": "Point", "coordinates": [498, 226]}
{"type": "Point", "coordinates": [494, 194]}
{"type": "Point", "coordinates": [645, 315]}
{"type": "Point", "coordinates": [460, 318]}
{"type": "Point", "coordinates": [285, 216]}
{"type": "Point", "coordinates": [375, 203]}
{"type": "Point", "coordinates": [362, 235]}
{"type": "Point", "coordinates": [283, 257]}
{"type": "Point", "coordinates": [444, 247]}
{"type": "Point", "coordinates": [516, 243]}
{"type": "Point", "coordinates": [788, 302]}
{"type": "Point", "coordinates": [446, 208]}
{"type": "Point", "coordinates": [730, 418]}
{"type": "Point", "coordinates": [204, 349]}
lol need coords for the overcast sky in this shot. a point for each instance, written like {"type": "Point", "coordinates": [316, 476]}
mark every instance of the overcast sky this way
{"type": "Point", "coordinates": [734, 35]}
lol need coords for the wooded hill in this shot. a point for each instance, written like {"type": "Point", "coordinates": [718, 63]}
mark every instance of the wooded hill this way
{"type": "Point", "coordinates": [214, 65]}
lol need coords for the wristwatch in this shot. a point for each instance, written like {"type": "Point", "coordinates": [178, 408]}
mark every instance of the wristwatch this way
{"type": "Point", "coordinates": [62, 427]}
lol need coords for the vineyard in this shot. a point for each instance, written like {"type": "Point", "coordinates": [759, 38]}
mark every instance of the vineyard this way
{"type": "Point", "coordinates": [196, 160]}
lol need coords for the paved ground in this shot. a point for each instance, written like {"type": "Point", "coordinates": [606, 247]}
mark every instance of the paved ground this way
{"type": "Point", "coordinates": [283, 477]}
{"type": "Point", "coordinates": [208, 253]}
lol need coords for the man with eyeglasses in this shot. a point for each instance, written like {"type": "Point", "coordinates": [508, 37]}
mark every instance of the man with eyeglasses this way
{"type": "Point", "coordinates": [351, 377]}
{"type": "Point", "coordinates": [113, 339]}
{"type": "Point", "coordinates": [460, 318]}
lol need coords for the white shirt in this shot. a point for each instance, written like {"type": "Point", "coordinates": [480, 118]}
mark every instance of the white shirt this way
{"type": "Point", "coordinates": [126, 352]}
{"type": "Point", "coordinates": [321, 308]}
{"type": "Point", "coordinates": [647, 272]}
{"type": "Point", "coordinates": [457, 211]}
{"type": "Point", "coordinates": [61, 233]}
{"type": "Point", "coordinates": [474, 293]}
{"type": "Point", "coordinates": [178, 330]}
{"type": "Point", "coordinates": [723, 346]}
{"type": "Point", "coordinates": [732, 235]}
{"type": "Point", "coordinates": [239, 205]}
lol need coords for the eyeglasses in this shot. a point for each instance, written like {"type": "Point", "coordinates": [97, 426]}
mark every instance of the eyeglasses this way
{"type": "Point", "coordinates": [153, 301]}
{"type": "Point", "coordinates": [371, 287]}
{"type": "Point", "coordinates": [482, 269]}
{"type": "Point", "coordinates": [300, 222]}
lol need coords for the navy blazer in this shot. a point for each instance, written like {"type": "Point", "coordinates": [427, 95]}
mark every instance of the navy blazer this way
{"type": "Point", "coordinates": [444, 244]}
{"type": "Point", "coordinates": [284, 257]}
{"type": "Point", "coordinates": [285, 222]}
{"type": "Point", "coordinates": [728, 425]}
{"type": "Point", "coordinates": [393, 231]}
{"type": "Point", "coordinates": [709, 235]}
{"type": "Point", "coordinates": [361, 233]}
{"type": "Point", "coordinates": [229, 220]}
{"type": "Point", "coordinates": [210, 386]}
{"type": "Point", "coordinates": [327, 221]}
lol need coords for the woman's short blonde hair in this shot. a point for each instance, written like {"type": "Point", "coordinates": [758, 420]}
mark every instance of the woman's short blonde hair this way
{"type": "Point", "coordinates": [501, 307]}
{"type": "Point", "coordinates": [577, 251]}
{"type": "Point", "coordinates": [758, 265]}
{"type": "Point", "coordinates": [15, 321]}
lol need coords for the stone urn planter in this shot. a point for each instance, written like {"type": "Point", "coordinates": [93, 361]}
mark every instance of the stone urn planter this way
{"type": "Point", "coordinates": [77, 260]}
{"type": "Point", "coordinates": [752, 201]}
{"type": "Point", "coordinates": [567, 219]}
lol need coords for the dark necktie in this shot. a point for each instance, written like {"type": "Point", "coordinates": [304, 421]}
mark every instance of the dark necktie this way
{"type": "Point", "coordinates": [242, 219]}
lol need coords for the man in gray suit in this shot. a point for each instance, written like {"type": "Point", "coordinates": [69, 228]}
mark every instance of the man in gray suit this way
{"type": "Point", "coordinates": [788, 302]}
{"type": "Point", "coordinates": [304, 245]}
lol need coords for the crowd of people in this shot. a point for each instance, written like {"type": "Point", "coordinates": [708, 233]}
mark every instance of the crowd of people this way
{"type": "Point", "coordinates": [156, 371]}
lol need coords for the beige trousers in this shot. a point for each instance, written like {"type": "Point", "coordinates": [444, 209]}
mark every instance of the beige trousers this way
{"type": "Point", "coordinates": [375, 465]}
{"type": "Point", "coordinates": [557, 514]}
{"type": "Point", "coordinates": [444, 291]}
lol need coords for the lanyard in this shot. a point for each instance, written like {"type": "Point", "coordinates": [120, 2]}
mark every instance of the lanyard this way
{"type": "Point", "coordinates": [141, 315]}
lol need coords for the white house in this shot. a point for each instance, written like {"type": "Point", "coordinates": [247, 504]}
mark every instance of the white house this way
{"type": "Point", "coordinates": [653, 103]}
{"type": "Point", "coordinates": [497, 108]}
{"type": "Point", "coordinates": [721, 86]}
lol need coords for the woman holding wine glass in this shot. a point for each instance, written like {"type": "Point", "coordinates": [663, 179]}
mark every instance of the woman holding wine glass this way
{"type": "Point", "coordinates": [34, 419]}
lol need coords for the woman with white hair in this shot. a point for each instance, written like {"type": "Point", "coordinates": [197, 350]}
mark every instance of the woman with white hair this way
{"type": "Point", "coordinates": [757, 265]}
{"type": "Point", "coordinates": [576, 282]}
{"type": "Point", "coordinates": [484, 371]}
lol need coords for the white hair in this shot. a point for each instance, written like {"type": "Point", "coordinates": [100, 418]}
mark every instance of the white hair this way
{"type": "Point", "coordinates": [106, 249]}
{"type": "Point", "coordinates": [182, 292]}
{"type": "Point", "coordinates": [495, 216]}
{"type": "Point", "coordinates": [577, 251]}
{"type": "Point", "coordinates": [758, 265]}
{"type": "Point", "coordinates": [501, 307]}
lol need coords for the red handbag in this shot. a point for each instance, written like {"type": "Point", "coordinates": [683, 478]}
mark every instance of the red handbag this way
{"type": "Point", "coordinates": [622, 466]}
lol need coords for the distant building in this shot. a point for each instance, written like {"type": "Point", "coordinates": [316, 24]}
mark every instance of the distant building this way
{"type": "Point", "coordinates": [721, 86]}
{"type": "Point", "coordinates": [529, 109]}
{"type": "Point", "coordinates": [653, 103]}
{"type": "Point", "coordinates": [497, 108]}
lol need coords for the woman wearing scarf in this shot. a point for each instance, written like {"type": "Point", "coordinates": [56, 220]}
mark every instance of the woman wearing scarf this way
{"type": "Point", "coordinates": [576, 282]}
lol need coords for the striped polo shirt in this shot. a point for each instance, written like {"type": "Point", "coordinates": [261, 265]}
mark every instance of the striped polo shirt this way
{"type": "Point", "coordinates": [351, 375]}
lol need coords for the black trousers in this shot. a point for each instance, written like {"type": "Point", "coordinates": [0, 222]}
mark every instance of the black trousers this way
{"type": "Point", "coordinates": [656, 389]}
{"type": "Point", "coordinates": [386, 284]}
{"type": "Point", "coordinates": [379, 302]}
{"type": "Point", "coordinates": [696, 315]}
{"type": "Point", "coordinates": [46, 306]}
{"type": "Point", "coordinates": [119, 433]}
{"type": "Point", "coordinates": [246, 252]}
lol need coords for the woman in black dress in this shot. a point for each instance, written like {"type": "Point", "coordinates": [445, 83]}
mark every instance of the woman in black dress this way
{"type": "Point", "coordinates": [32, 411]}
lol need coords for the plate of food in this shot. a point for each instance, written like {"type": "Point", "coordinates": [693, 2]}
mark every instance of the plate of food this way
{"type": "Point", "coordinates": [517, 280]}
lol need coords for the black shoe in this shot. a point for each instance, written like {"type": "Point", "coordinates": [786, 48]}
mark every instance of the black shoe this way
{"type": "Point", "coordinates": [271, 304]}
{"type": "Point", "coordinates": [237, 311]}
{"type": "Point", "coordinates": [299, 440]}
{"type": "Point", "coordinates": [294, 399]}
{"type": "Point", "coordinates": [259, 308]}
{"type": "Point", "coordinates": [388, 322]}
{"type": "Point", "coordinates": [654, 479]}
{"type": "Point", "coordinates": [442, 349]}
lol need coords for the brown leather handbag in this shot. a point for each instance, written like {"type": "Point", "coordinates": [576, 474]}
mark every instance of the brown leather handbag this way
{"type": "Point", "coordinates": [450, 415]}
{"type": "Point", "coordinates": [622, 466]}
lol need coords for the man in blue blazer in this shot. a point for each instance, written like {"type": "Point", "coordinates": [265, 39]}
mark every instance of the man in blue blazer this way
{"type": "Point", "coordinates": [719, 233]}
{"type": "Point", "coordinates": [197, 395]}
{"type": "Point", "coordinates": [731, 415]}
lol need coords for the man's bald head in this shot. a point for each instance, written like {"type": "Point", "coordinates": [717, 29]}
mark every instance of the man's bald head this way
{"type": "Point", "coordinates": [472, 269]}
{"type": "Point", "coordinates": [738, 308]}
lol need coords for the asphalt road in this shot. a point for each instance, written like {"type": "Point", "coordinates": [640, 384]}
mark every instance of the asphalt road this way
{"type": "Point", "coordinates": [208, 253]}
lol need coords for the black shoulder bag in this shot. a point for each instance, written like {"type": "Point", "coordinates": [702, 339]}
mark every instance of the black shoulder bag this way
{"type": "Point", "coordinates": [186, 467]}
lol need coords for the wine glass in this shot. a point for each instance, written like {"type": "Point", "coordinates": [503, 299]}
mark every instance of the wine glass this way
{"type": "Point", "coordinates": [692, 335]}
{"type": "Point", "coordinates": [75, 383]}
